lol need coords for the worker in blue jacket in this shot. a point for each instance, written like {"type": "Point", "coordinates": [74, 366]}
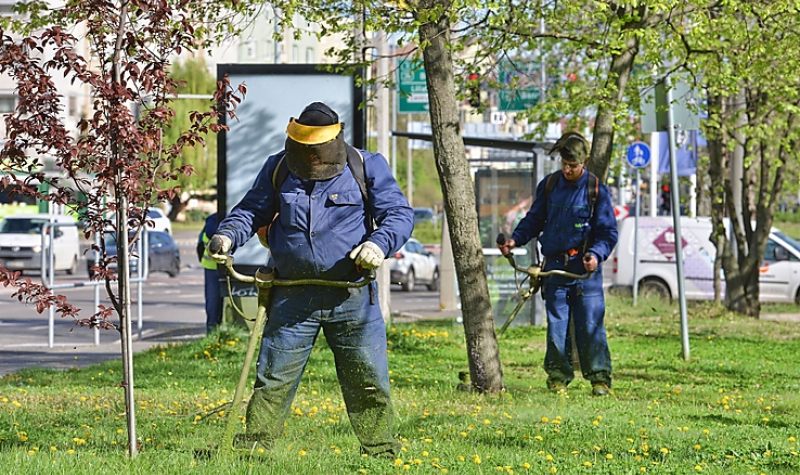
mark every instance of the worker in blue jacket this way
{"type": "Point", "coordinates": [324, 230]}
{"type": "Point", "coordinates": [573, 218]}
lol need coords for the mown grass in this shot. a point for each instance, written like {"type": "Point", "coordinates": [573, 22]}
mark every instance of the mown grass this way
{"type": "Point", "coordinates": [733, 408]}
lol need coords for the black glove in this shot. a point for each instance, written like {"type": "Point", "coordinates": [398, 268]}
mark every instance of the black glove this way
{"type": "Point", "coordinates": [219, 245]}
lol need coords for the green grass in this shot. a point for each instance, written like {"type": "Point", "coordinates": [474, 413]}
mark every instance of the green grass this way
{"type": "Point", "coordinates": [734, 408]}
{"type": "Point", "coordinates": [428, 232]}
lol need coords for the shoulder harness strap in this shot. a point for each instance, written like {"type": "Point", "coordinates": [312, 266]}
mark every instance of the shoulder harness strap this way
{"type": "Point", "coordinates": [593, 191]}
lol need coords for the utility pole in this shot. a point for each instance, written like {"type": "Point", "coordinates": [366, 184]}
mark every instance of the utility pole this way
{"type": "Point", "coordinates": [382, 128]}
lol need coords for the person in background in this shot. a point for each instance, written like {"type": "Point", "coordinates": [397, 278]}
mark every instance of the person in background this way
{"type": "Point", "coordinates": [573, 217]}
{"type": "Point", "coordinates": [212, 291]}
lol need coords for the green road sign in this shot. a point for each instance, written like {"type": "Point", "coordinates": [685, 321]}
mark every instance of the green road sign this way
{"type": "Point", "coordinates": [412, 88]}
{"type": "Point", "coordinates": [519, 89]}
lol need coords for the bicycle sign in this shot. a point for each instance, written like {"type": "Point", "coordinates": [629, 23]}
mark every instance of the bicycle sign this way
{"type": "Point", "coordinates": [638, 155]}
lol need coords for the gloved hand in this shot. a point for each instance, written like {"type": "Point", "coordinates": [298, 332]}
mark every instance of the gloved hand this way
{"type": "Point", "coordinates": [219, 245]}
{"type": "Point", "coordinates": [367, 255]}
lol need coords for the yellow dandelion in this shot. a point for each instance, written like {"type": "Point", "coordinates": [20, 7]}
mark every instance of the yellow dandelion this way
{"type": "Point", "coordinates": [16, 403]}
{"type": "Point", "coordinates": [476, 459]}
{"type": "Point", "coordinates": [642, 469]}
{"type": "Point", "coordinates": [22, 436]}
{"type": "Point", "coordinates": [698, 468]}
{"type": "Point", "coordinates": [463, 434]}
{"type": "Point", "coordinates": [587, 464]}
{"type": "Point", "coordinates": [261, 450]}
{"type": "Point", "coordinates": [664, 450]}
{"type": "Point", "coordinates": [553, 470]}
{"type": "Point", "coordinates": [526, 465]}
{"type": "Point", "coordinates": [425, 453]}
{"type": "Point", "coordinates": [461, 458]}
{"type": "Point", "coordinates": [70, 451]}
{"type": "Point", "coordinates": [398, 462]}
{"type": "Point", "coordinates": [538, 437]}
{"type": "Point", "coordinates": [406, 467]}
{"type": "Point", "coordinates": [548, 457]}
{"type": "Point", "coordinates": [697, 446]}
{"type": "Point", "coordinates": [792, 439]}
{"type": "Point", "coordinates": [545, 419]}
{"type": "Point", "coordinates": [609, 456]}
{"type": "Point", "coordinates": [53, 448]}
{"type": "Point", "coordinates": [301, 453]}
{"type": "Point", "coordinates": [486, 422]}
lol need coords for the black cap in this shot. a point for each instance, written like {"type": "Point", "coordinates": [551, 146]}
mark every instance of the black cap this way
{"type": "Point", "coordinates": [318, 114]}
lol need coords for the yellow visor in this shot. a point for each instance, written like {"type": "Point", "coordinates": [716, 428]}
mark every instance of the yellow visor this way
{"type": "Point", "coordinates": [312, 134]}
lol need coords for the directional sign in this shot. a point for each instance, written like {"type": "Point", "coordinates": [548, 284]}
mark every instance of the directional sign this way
{"type": "Point", "coordinates": [521, 89]}
{"type": "Point", "coordinates": [638, 155]}
{"type": "Point", "coordinates": [411, 87]}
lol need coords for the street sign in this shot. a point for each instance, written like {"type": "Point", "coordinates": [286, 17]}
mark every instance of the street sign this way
{"type": "Point", "coordinates": [521, 90]}
{"type": "Point", "coordinates": [638, 155]}
{"type": "Point", "coordinates": [411, 88]}
{"type": "Point", "coordinates": [684, 107]}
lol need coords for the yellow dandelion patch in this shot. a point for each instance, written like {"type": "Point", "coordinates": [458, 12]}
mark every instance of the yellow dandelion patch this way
{"type": "Point", "coordinates": [476, 459]}
{"type": "Point", "coordinates": [609, 456]}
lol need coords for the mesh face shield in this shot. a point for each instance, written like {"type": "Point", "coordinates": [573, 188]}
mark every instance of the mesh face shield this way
{"type": "Point", "coordinates": [315, 152]}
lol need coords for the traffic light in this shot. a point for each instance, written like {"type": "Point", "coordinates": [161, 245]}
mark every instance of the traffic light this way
{"type": "Point", "coordinates": [474, 90]}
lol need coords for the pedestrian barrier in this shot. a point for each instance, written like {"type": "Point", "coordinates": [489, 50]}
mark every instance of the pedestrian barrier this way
{"type": "Point", "coordinates": [47, 272]}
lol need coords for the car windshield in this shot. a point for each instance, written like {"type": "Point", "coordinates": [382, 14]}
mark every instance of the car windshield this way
{"type": "Point", "coordinates": [22, 225]}
{"type": "Point", "coordinates": [790, 241]}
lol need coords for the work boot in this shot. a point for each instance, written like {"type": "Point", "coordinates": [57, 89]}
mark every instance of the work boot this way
{"type": "Point", "coordinates": [556, 385]}
{"type": "Point", "coordinates": [599, 388]}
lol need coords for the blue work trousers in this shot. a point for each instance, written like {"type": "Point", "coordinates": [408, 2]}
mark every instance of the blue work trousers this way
{"type": "Point", "coordinates": [584, 302]}
{"type": "Point", "coordinates": [213, 299]}
{"type": "Point", "coordinates": [355, 332]}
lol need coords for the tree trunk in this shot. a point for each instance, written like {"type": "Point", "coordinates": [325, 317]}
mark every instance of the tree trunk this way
{"type": "Point", "coordinates": [604, 125]}
{"type": "Point", "coordinates": [176, 206]}
{"type": "Point", "coordinates": [459, 199]}
{"type": "Point", "coordinates": [716, 171]}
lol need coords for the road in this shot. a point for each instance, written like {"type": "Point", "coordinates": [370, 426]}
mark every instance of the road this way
{"type": "Point", "coordinates": [172, 311]}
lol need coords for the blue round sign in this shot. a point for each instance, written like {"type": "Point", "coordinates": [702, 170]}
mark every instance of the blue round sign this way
{"type": "Point", "coordinates": [638, 155]}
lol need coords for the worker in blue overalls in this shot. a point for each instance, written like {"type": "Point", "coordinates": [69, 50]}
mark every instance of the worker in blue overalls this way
{"type": "Point", "coordinates": [323, 230]}
{"type": "Point", "coordinates": [573, 217]}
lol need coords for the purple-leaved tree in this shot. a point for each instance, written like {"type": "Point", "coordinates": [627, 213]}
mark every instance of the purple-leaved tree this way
{"type": "Point", "coordinates": [116, 163]}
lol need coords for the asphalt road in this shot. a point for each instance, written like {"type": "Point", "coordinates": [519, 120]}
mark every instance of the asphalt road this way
{"type": "Point", "coordinates": [172, 311]}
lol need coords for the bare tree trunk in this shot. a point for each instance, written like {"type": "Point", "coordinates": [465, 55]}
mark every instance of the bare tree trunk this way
{"type": "Point", "coordinates": [123, 261]}
{"type": "Point", "coordinates": [716, 171]}
{"type": "Point", "coordinates": [603, 133]}
{"type": "Point", "coordinates": [176, 206]}
{"type": "Point", "coordinates": [459, 199]}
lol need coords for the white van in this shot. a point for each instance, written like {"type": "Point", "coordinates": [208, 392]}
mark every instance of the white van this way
{"type": "Point", "coordinates": [21, 242]}
{"type": "Point", "coordinates": [780, 269]}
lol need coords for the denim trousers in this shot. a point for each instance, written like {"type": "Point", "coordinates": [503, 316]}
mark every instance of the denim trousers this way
{"type": "Point", "coordinates": [355, 332]}
{"type": "Point", "coordinates": [584, 302]}
{"type": "Point", "coordinates": [213, 299]}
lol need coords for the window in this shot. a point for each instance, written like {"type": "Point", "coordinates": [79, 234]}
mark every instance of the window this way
{"type": "Point", "coordinates": [7, 103]}
{"type": "Point", "coordinates": [309, 55]}
{"type": "Point", "coordinates": [249, 49]}
{"type": "Point", "coordinates": [295, 54]}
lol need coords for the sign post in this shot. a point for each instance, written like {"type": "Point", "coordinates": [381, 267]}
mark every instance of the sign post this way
{"type": "Point", "coordinates": [638, 157]}
{"type": "Point", "coordinates": [676, 219]}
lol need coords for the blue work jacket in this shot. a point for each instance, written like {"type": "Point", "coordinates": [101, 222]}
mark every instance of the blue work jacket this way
{"type": "Point", "coordinates": [320, 222]}
{"type": "Point", "coordinates": [563, 220]}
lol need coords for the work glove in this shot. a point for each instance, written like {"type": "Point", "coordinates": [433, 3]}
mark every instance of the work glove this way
{"type": "Point", "coordinates": [367, 255]}
{"type": "Point", "coordinates": [219, 245]}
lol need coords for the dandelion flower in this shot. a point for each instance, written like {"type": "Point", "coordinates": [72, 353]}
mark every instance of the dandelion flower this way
{"type": "Point", "coordinates": [476, 459]}
{"type": "Point", "coordinates": [609, 456]}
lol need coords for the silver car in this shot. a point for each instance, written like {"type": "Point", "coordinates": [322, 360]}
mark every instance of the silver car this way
{"type": "Point", "coordinates": [412, 265]}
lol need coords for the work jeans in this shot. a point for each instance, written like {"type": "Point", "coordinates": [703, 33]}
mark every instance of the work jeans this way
{"type": "Point", "coordinates": [584, 302]}
{"type": "Point", "coordinates": [213, 299]}
{"type": "Point", "coordinates": [355, 332]}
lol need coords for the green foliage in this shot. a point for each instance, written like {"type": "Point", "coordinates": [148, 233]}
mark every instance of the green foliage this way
{"type": "Point", "coordinates": [714, 414]}
{"type": "Point", "coordinates": [428, 232]}
{"type": "Point", "coordinates": [193, 77]}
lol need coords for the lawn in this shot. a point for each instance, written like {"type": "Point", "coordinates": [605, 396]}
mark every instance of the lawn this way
{"type": "Point", "coordinates": [734, 408]}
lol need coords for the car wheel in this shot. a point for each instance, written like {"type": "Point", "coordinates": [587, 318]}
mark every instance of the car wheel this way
{"type": "Point", "coordinates": [175, 268]}
{"type": "Point", "coordinates": [797, 297]}
{"type": "Point", "coordinates": [74, 268]}
{"type": "Point", "coordinates": [656, 288]}
{"type": "Point", "coordinates": [434, 285]}
{"type": "Point", "coordinates": [410, 282]}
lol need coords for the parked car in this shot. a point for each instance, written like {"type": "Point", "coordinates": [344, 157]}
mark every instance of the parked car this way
{"type": "Point", "coordinates": [163, 254]}
{"type": "Point", "coordinates": [160, 220]}
{"type": "Point", "coordinates": [21, 242]}
{"type": "Point", "coordinates": [424, 215]}
{"type": "Point", "coordinates": [413, 264]}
